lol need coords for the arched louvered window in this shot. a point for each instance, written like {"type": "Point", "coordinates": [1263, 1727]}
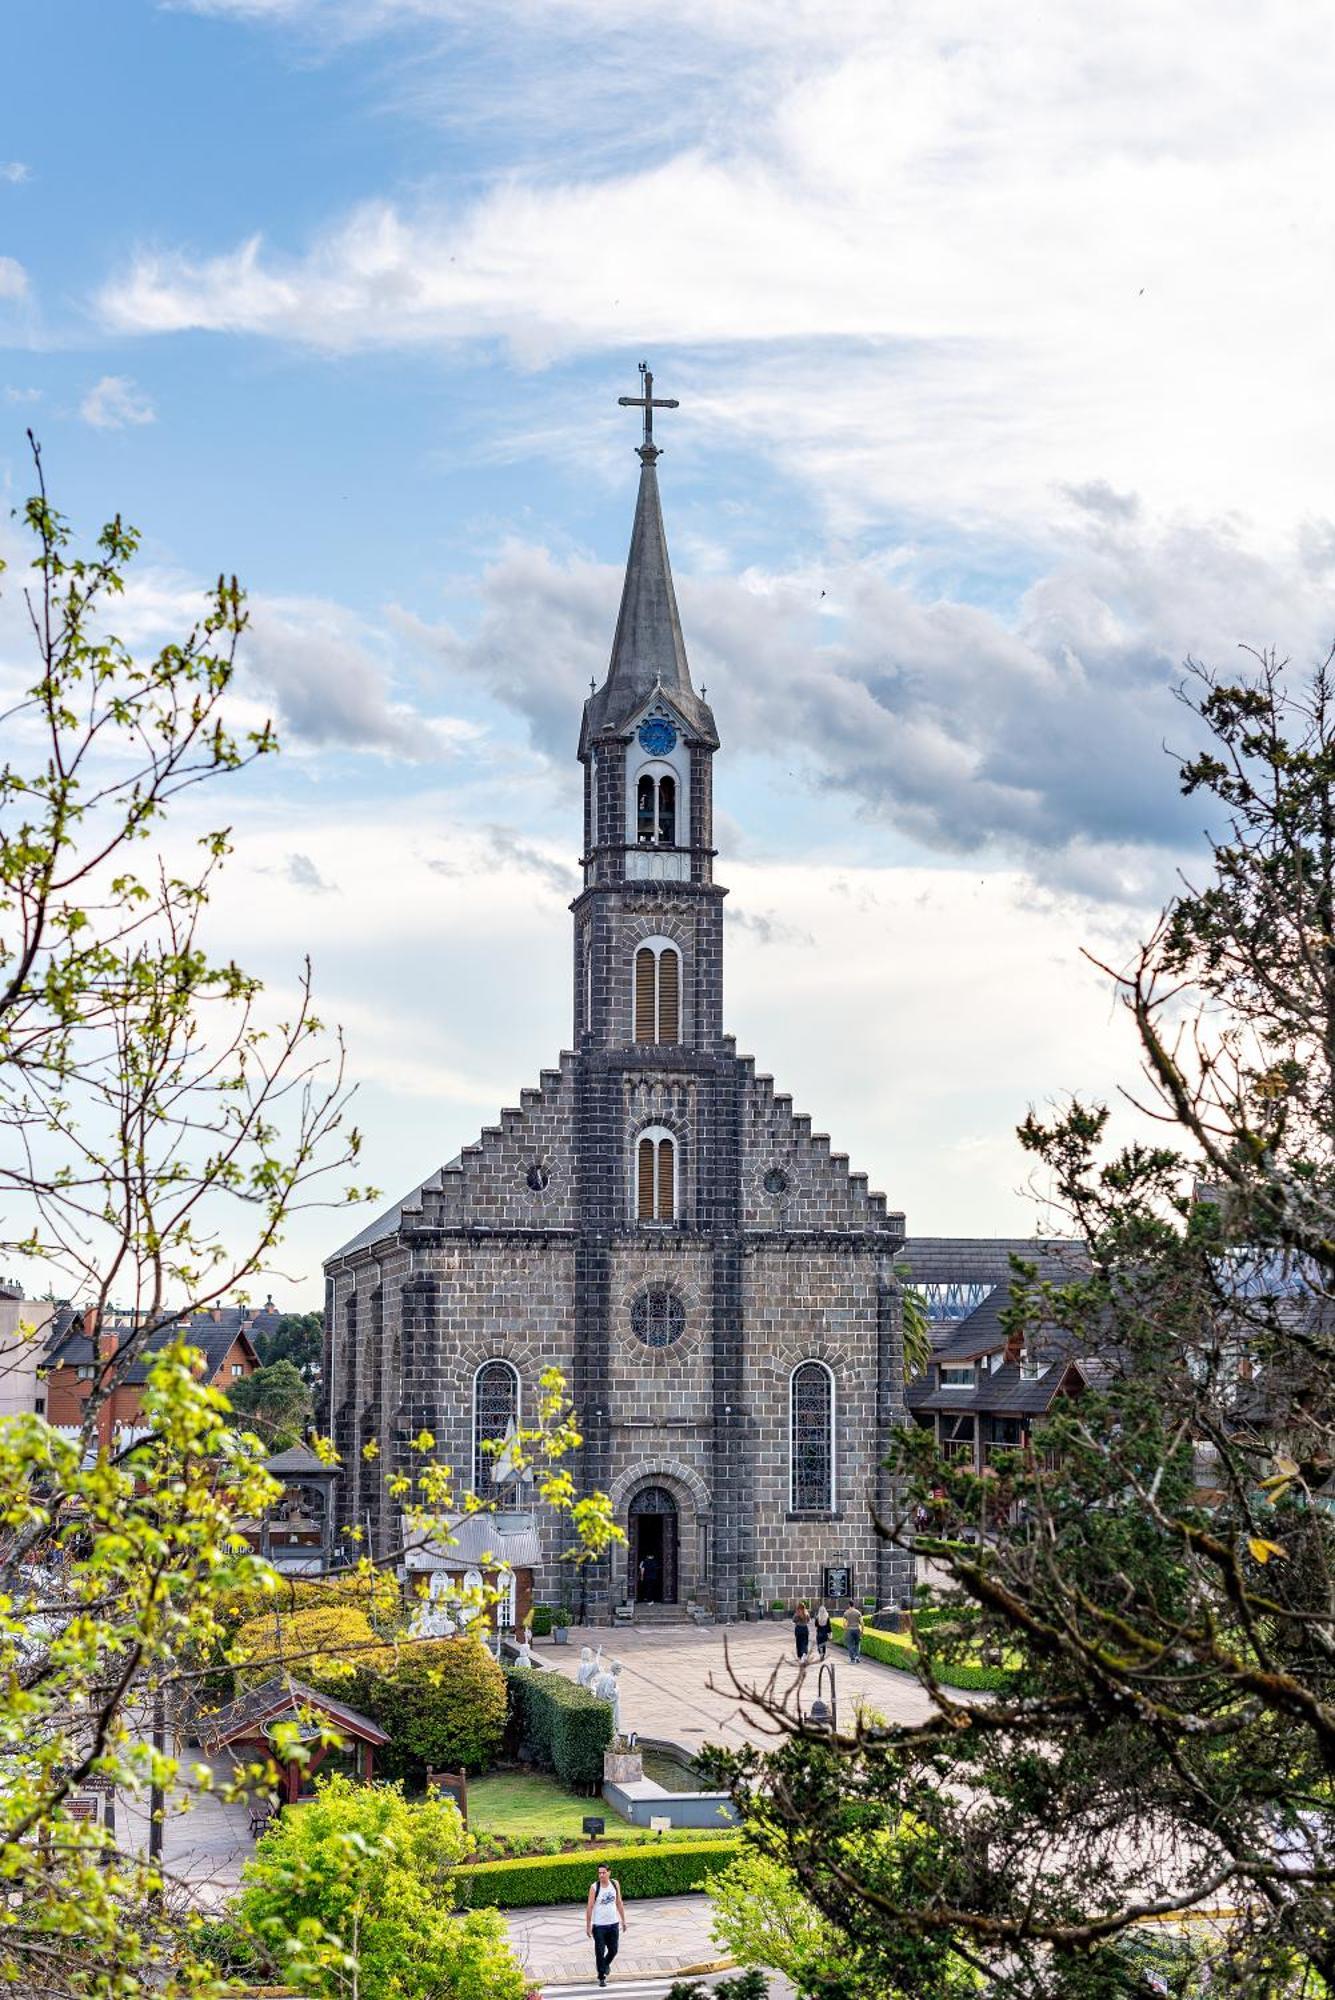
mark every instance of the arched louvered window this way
{"type": "Point", "coordinates": [656, 1176]}
{"type": "Point", "coordinates": [811, 1438]}
{"type": "Point", "coordinates": [657, 995]}
{"type": "Point", "coordinates": [495, 1408]}
{"type": "Point", "coordinates": [656, 809]}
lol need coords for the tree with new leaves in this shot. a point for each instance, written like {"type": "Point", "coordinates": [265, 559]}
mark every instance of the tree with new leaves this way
{"type": "Point", "coordinates": [1159, 1572]}
{"type": "Point", "coordinates": [160, 1124]}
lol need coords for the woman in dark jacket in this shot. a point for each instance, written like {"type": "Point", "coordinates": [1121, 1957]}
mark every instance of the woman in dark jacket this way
{"type": "Point", "coordinates": [801, 1630]}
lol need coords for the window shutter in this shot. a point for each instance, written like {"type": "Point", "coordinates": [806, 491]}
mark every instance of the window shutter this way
{"type": "Point", "coordinates": [667, 1205]}
{"type": "Point", "coordinates": [646, 982]}
{"type": "Point", "coordinates": [669, 1002]}
{"type": "Point", "coordinates": [645, 1202]}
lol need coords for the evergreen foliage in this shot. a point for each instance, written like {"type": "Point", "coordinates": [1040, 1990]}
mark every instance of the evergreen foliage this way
{"type": "Point", "coordinates": [562, 1726]}
{"type": "Point", "coordinates": [675, 1869]}
{"type": "Point", "coordinates": [442, 1703]}
{"type": "Point", "coordinates": [1158, 1573]}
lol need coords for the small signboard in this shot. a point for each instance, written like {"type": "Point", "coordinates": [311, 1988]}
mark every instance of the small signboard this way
{"type": "Point", "coordinates": [97, 1782]}
{"type": "Point", "coordinates": [450, 1785]}
{"type": "Point", "coordinates": [82, 1809]}
{"type": "Point", "coordinates": [593, 1826]}
{"type": "Point", "coordinates": [836, 1580]}
{"type": "Point", "coordinates": [659, 1823]}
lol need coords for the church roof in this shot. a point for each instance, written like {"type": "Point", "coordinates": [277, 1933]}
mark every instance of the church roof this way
{"type": "Point", "coordinates": [648, 652]}
{"type": "Point", "coordinates": [391, 1221]}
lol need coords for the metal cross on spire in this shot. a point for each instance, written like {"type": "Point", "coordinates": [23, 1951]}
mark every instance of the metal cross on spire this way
{"type": "Point", "coordinates": [648, 402]}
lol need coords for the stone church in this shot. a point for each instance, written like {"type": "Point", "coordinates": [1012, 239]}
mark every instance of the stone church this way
{"type": "Point", "coordinates": [655, 1219]}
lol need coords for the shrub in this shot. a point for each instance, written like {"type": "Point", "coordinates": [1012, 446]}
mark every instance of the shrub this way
{"type": "Point", "coordinates": [542, 1620]}
{"type": "Point", "coordinates": [667, 1870]}
{"type": "Point", "coordinates": [323, 1644]}
{"type": "Point", "coordinates": [563, 1727]}
{"type": "Point", "coordinates": [367, 1589]}
{"type": "Point", "coordinates": [443, 1705]}
{"type": "Point", "coordinates": [359, 1871]}
{"type": "Point", "coordinates": [898, 1650]}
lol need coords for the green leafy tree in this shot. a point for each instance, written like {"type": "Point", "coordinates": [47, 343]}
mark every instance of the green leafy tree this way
{"type": "Point", "coordinates": [159, 1126]}
{"type": "Point", "coordinates": [275, 1401]}
{"type": "Point", "coordinates": [298, 1338]}
{"type": "Point", "coordinates": [350, 1896]}
{"type": "Point", "coordinates": [1159, 1572]}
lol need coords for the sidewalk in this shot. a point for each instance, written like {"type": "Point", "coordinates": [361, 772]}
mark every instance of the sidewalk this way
{"type": "Point", "coordinates": [677, 1681]}
{"type": "Point", "coordinates": [664, 1934]}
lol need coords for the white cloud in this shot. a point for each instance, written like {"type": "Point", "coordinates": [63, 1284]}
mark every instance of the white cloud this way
{"type": "Point", "coordinates": [115, 402]}
{"type": "Point", "coordinates": [13, 279]}
{"type": "Point", "coordinates": [15, 172]}
{"type": "Point", "coordinates": [17, 395]}
{"type": "Point", "coordinates": [1046, 255]}
{"type": "Point", "coordinates": [1040, 734]}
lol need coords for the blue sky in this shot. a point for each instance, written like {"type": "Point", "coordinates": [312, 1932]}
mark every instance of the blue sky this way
{"type": "Point", "coordinates": [1003, 358]}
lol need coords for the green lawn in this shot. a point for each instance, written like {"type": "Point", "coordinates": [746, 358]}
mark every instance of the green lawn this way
{"type": "Point", "coordinates": [525, 1804]}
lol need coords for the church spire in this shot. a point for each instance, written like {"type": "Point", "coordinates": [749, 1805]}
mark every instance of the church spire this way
{"type": "Point", "coordinates": [648, 651]}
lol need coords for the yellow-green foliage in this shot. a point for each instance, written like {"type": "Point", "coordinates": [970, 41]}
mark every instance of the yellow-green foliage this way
{"type": "Point", "coordinates": [374, 1592]}
{"type": "Point", "coordinates": [324, 1644]}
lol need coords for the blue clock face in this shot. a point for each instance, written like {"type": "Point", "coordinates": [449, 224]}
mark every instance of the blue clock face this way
{"type": "Point", "coordinates": [657, 736]}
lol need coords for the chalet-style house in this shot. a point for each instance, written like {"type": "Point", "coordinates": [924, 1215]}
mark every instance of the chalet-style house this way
{"type": "Point", "coordinates": [82, 1349]}
{"type": "Point", "coordinates": [987, 1386]}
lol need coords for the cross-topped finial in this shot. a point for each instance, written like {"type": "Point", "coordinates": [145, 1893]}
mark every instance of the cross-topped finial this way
{"type": "Point", "coordinates": [648, 402]}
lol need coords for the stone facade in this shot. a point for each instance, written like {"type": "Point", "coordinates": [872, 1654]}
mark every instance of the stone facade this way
{"type": "Point", "coordinates": [654, 1219]}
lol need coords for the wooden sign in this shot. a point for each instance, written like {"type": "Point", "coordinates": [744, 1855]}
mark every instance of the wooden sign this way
{"type": "Point", "coordinates": [450, 1785]}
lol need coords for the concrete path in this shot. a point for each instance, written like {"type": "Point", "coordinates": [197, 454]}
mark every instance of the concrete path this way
{"type": "Point", "coordinates": [665, 1938]}
{"type": "Point", "coordinates": [689, 1682]}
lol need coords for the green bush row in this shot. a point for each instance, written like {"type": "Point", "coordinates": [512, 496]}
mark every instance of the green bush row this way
{"type": "Point", "coordinates": [892, 1650]}
{"type": "Point", "coordinates": [669, 1870]}
{"type": "Point", "coordinates": [565, 1729]}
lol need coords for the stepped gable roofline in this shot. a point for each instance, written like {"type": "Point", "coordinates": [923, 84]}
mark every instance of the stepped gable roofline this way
{"type": "Point", "coordinates": [648, 651]}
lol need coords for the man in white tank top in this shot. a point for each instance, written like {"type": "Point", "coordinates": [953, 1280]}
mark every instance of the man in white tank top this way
{"type": "Point", "coordinates": [604, 1920]}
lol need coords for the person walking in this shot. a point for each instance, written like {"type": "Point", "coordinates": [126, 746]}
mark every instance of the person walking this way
{"type": "Point", "coordinates": [801, 1631]}
{"type": "Point", "coordinates": [604, 1920]}
{"type": "Point", "coordinates": [822, 1624]}
{"type": "Point", "coordinates": [853, 1631]}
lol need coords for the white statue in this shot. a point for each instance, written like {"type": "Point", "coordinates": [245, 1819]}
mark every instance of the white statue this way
{"type": "Point", "coordinates": [589, 1663]}
{"type": "Point", "coordinates": [607, 1689]}
{"type": "Point", "coordinates": [524, 1650]}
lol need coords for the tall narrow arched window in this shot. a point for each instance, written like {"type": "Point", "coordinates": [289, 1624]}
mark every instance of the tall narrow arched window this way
{"type": "Point", "coordinates": [657, 992]}
{"type": "Point", "coordinates": [667, 812]}
{"type": "Point", "coordinates": [811, 1438]}
{"type": "Point", "coordinates": [656, 809]}
{"type": "Point", "coordinates": [656, 1176]}
{"type": "Point", "coordinates": [495, 1408]}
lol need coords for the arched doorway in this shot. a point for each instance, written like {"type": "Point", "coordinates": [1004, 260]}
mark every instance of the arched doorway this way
{"type": "Point", "coordinates": [652, 1528]}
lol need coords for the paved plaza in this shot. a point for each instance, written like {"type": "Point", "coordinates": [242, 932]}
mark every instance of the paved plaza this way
{"type": "Point", "coordinates": [677, 1681]}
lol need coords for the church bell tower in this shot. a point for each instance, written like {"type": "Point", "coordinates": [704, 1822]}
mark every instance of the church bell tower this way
{"type": "Point", "coordinates": [657, 1111]}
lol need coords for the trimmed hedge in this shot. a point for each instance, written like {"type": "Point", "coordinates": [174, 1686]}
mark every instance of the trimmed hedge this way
{"type": "Point", "coordinates": [564, 1728]}
{"type": "Point", "coordinates": [671, 1869]}
{"type": "Point", "coordinates": [895, 1650]}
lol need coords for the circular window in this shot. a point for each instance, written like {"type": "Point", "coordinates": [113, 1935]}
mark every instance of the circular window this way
{"type": "Point", "coordinates": [776, 1181]}
{"type": "Point", "coordinates": [658, 1318]}
{"type": "Point", "coordinates": [537, 1177]}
